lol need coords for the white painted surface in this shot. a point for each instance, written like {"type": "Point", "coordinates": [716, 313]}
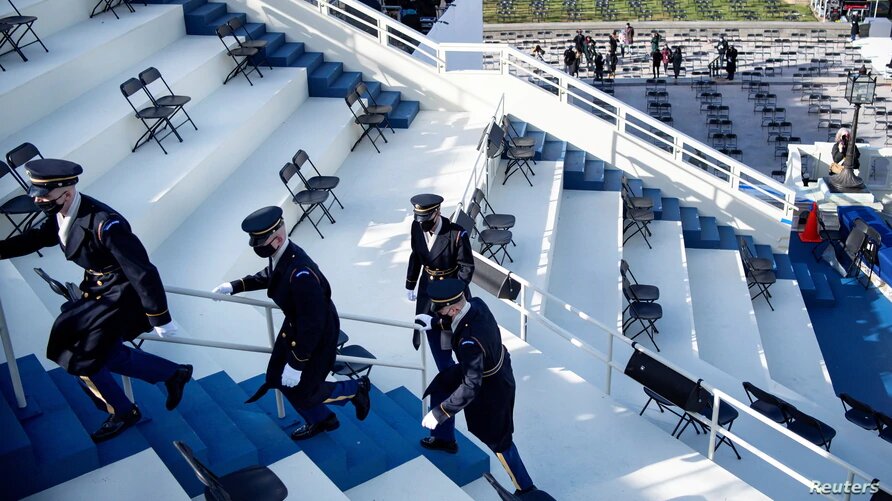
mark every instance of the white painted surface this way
{"type": "Point", "coordinates": [417, 479]}
{"type": "Point", "coordinates": [52, 16]}
{"type": "Point", "coordinates": [305, 480]}
{"type": "Point", "coordinates": [463, 23]}
{"type": "Point", "coordinates": [727, 332]}
{"type": "Point", "coordinates": [139, 477]}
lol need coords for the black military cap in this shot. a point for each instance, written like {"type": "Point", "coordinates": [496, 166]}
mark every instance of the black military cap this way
{"type": "Point", "coordinates": [425, 205]}
{"type": "Point", "coordinates": [47, 174]}
{"type": "Point", "coordinates": [445, 293]}
{"type": "Point", "coordinates": [260, 224]}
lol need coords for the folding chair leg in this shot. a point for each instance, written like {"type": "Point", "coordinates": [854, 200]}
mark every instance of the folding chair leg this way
{"type": "Point", "coordinates": [365, 133]}
{"type": "Point", "coordinates": [336, 198]}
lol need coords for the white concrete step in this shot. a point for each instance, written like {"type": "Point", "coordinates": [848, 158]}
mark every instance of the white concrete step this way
{"type": "Point", "coordinates": [157, 192]}
{"type": "Point", "coordinates": [417, 479]}
{"type": "Point", "coordinates": [727, 332]}
{"type": "Point", "coordinates": [98, 130]}
{"type": "Point", "coordinates": [27, 317]}
{"type": "Point", "coordinates": [52, 16]}
{"type": "Point", "coordinates": [81, 57]}
{"type": "Point", "coordinates": [301, 476]}
{"type": "Point", "coordinates": [142, 476]}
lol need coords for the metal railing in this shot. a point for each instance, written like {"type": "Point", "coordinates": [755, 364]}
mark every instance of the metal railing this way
{"type": "Point", "coordinates": [774, 199]}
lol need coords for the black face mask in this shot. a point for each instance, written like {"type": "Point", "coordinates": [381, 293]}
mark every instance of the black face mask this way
{"type": "Point", "coordinates": [264, 251]}
{"type": "Point", "coordinates": [428, 225]}
{"type": "Point", "coordinates": [50, 207]}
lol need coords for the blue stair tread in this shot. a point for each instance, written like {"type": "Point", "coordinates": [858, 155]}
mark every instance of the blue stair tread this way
{"type": "Point", "coordinates": [690, 219]}
{"type": "Point", "coordinates": [637, 187]}
{"type": "Point", "coordinates": [823, 292]}
{"type": "Point", "coordinates": [804, 277]}
{"type": "Point", "coordinates": [553, 150]}
{"type": "Point", "coordinates": [374, 90]}
{"type": "Point", "coordinates": [518, 128]}
{"type": "Point", "coordinates": [256, 30]}
{"type": "Point", "coordinates": [207, 12]}
{"type": "Point", "coordinates": [404, 114]}
{"type": "Point", "coordinates": [287, 54]}
{"type": "Point", "coordinates": [574, 161]}
{"type": "Point", "coordinates": [348, 80]}
{"type": "Point", "coordinates": [671, 209]}
{"type": "Point", "coordinates": [272, 442]}
{"type": "Point", "coordinates": [613, 180]}
{"type": "Point", "coordinates": [727, 238]}
{"type": "Point", "coordinates": [539, 136]}
{"type": "Point", "coordinates": [125, 445]}
{"type": "Point", "coordinates": [783, 267]}
{"type": "Point", "coordinates": [654, 194]}
{"type": "Point", "coordinates": [225, 18]}
{"type": "Point", "coordinates": [594, 171]}
{"type": "Point", "coordinates": [211, 424]}
{"type": "Point", "coordinates": [339, 87]}
{"type": "Point", "coordinates": [16, 456]}
{"type": "Point", "coordinates": [274, 41]}
{"type": "Point", "coordinates": [764, 252]}
{"type": "Point", "coordinates": [750, 243]}
{"type": "Point", "coordinates": [388, 98]}
{"type": "Point", "coordinates": [308, 60]}
{"type": "Point", "coordinates": [709, 230]}
{"type": "Point", "coordinates": [37, 384]}
{"type": "Point", "coordinates": [476, 461]}
{"type": "Point", "coordinates": [161, 427]}
{"type": "Point", "coordinates": [327, 72]}
{"type": "Point", "coordinates": [385, 438]}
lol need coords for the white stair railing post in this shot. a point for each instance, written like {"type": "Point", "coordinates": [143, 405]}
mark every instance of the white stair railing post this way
{"type": "Point", "coordinates": [609, 365]}
{"type": "Point", "coordinates": [424, 400]}
{"type": "Point", "coordinates": [713, 426]}
{"type": "Point", "coordinates": [523, 313]}
{"type": "Point", "coordinates": [128, 388]}
{"type": "Point", "coordinates": [280, 403]}
{"type": "Point", "coordinates": [11, 362]}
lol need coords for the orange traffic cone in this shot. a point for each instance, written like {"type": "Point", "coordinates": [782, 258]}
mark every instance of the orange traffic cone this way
{"type": "Point", "coordinates": [811, 234]}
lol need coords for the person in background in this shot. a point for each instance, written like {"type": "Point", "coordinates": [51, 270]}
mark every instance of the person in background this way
{"type": "Point", "coordinates": [655, 42]}
{"type": "Point", "coordinates": [656, 59]}
{"type": "Point", "coordinates": [722, 48]}
{"type": "Point", "coordinates": [731, 62]}
{"type": "Point", "coordinates": [630, 36]}
{"type": "Point", "coordinates": [599, 66]}
{"type": "Point", "coordinates": [855, 20]}
{"type": "Point", "coordinates": [623, 43]}
{"type": "Point", "coordinates": [612, 43]}
{"type": "Point", "coordinates": [612, 66]}
{"type": "Point", "coordinates": [589, 48]}
{"type": "Point", "coordinates": [538, 53]}
{"type": "Point", "coordinates": [577, 62]}
{"type": "Point", "coordinates": [676, 62]}
{"type": "Point", "coordinates": [841, 150]}
{"type": "Point", "coordinates": [666, 54]}
{"type": "Point", "coordinates": [579, 40]}
{"type": "Point", "coordinates": [569, 60]}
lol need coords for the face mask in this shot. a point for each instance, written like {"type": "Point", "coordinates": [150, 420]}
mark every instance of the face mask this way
{"type": "Point", "coordinates": [50, 207]}
{"type": "Point", "coordinates": [428, 225]}
{"type": "Point", "coordinates": [264, 251]}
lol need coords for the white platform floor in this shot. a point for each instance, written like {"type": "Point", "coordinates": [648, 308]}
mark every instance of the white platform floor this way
{"type": "Point", "coordinates": [405, 482]}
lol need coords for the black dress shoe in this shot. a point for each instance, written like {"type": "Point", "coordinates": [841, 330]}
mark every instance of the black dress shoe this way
{"type": "Point", "coordinates": [361, 400]}
{"type": "Point", "coordinates": [438, 444]}
{"type": "Point", "coordinates": [521, 492]}
{"type": "Point", "coordinates": [175, 385]}
{"type": "Point", "coordinates": [306, 430]}
{"type": "Point", "coordinates": [116, 424]}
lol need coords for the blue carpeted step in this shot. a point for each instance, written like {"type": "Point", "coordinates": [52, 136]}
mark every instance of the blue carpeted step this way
{"type": "Point", "coordinates": [517, 128]}
{"type": "Point", "coordinates": [783, 267]}
{"type": "Point", "coordinates": [344, 84]}
{"type": "Point", "coordinates": [671, 209]}
{"type": "Point", "coordinates": [16, 455]}
{"type": "Point", "coordinates": [750, 243]}
{"type": "Point", "coordinates": [764, 252]}
{"type": "Point", "coordinates": [324, 76]}
{"type": "Point", "coordinates": [823, 293]}
{"type": "Point", "coordinates": [637, 187]}
{"type": "Point", "coordinates": [61, 447]}
{"type": "Point", "coordinates": [199, 18]}
{"type": "Point", "coordinates": [273, 42]}
{"type": "Point", "coordinates": [125, 445]}
{"type": "Point", "coordinates": [161, 427]}
{"type": "Point", "coordinates": [553, 150]}
{"type": "Point", "coordinates": [690, 225]}
{"type": "Point", "coordinates": [374, 89]}
{"type": "Point", "coordinates": [574, 170]}
{"type": "Point", "coordinates": [594, 174]}
{"type": "Point", "coordinates": [469, 464]}
{"type": "Point", "coordinates": [539, 136]}
{"type": "Point", "coordinates": [613, 180]}
{"type": "Point", "coordinates": [188, 5]}
{"type": "Point", "coordinates": [328, 455]}
{"type": "Point", "coordinates": [286, 54]}
{"type": "Point", "coordinates": [272, 442]}
{"type": "Point", "coordinates": [655, 195]}
{"type": "Point", "coordinates": [396, 448]}
{"type": "Point", "coordinates": [255, 30]}
{"type": "Point", "coordinates": [804, 278]}
{"type": "Point", "coordinates": [228, 448]}
{"type": "Point", "coordinates": [308, 60]}
{"type": "Point", "coordinates": [727, 238]}
{"type": "Point", "coordinates": [388, 98]}
{"type": "Point", "coordinates": [403, 115]}
{"type": "Point", "coordinates": [709, 233]}
{"type": "Point", "coordinates": [211, 27]}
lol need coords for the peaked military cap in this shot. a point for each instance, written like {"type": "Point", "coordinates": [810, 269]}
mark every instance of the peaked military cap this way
{"type": "Point", "coordinates": [445, 293]}
{"type": "Point", "coordinates": [260, 224]}
{"type": "Point", "coordinates": [47, 174]}
{"type": "Point", "coordinates": [425, 205]}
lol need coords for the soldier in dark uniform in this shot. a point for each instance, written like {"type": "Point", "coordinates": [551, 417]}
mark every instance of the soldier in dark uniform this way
{"type": "Point", "coordinates": [306, 346]}
{"type": "Point", "coordinates": [123, 296]}
{"type": "Point", "coordinates": [441, 249]}
{"type": "Point", "coordinates": [482, 383]}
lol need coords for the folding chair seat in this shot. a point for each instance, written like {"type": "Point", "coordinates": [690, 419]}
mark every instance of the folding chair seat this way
{"type": "Point", "coordinates": [638, 202]}
{"type": "Point", "coordinates": [765, 403]}
{"type": "Point", "coordinates": [516, 140]}
{"type": "Point", "coordinates": [519, 161]}
{"type": "Point", "coordinates": [317, 182]}
{"type": "Point", "coordinates": [16, 23]}
{"type": "Point", "coordinates": [854, 245]}
{"type": "Point", "coordinates": [237, 23]}
{"type": "Point", "coordinates": [159, 116]}
{"type": "Point", "coordinates": [726, 417]}
{"type": "Point", "coordinates": [858, 412]}
{"type": "Point", "coordinates": [5, 29]}
{"type": "Point", "coordinates": [634, 291]}
{"type": "Point", "coordinates": [646, 314]}
{"type": "Point", "coordinates": [241, 56]}
{"type": "Point", "coordinates": [253, 483]}
{"type": "Point", "coordinates": [373, 106]}
{"type": "Point", "coordinates": [149, 76]}
{"type": "Point", "coordinates": [353, 370]}
{"type": "Point", "coordinates": [638, 218]}
{"type": "Point", "coordinates": [19, 205]}
{"type": "Point", "coordinates": [368, 121]}
{"type": "Point", "coordinates": [307, 200]}
{"type": "Point", "coordinates": [492, 241]}
{"type": "Point", "coordinates": [808, 427]}
{"type": "Point", "coordinates": [493, 220]}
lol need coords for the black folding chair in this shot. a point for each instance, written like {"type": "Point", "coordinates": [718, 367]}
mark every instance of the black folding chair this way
{"type": "Point", "coordinates": [703, 417]}
{"type": "Point", "coordinates": [149, 76]}
{"type": "Point", "coordinates": [373, 107]}
{"type": "Point", "coordinates": [858, 412]}
{"type": "Point", "coordinates": [646, 313]}
{"type": "Point", "coordinates": [16, 23]}
{"type": "Point", "coordinates": [307, 200]}
{"type": "Point", "coordinates": [19, 205]}
{"type": "Point", "coordinates": [640, 202]}
{"type": "Point", "coordinates": [493, 220]}
{"type": "Point", "coordinates": [109, 5]}
{"type": "Point", "coordinates": [236, 23]}
{"type": "Point", "coordinates": [663, 405]}
{"type": "Point", "coordinates": [368, 121]}
{"type": "Point", "coordinates": [159, 116]}
{"type": "Point", "coordinates": [519, 159]}
{"type": "Point", "coordinates": [747, 258]}
{"type": "Point", "coordinates": [353, 370]}
{"type": "Point", "coordinates": [317, 182]}
{"type": "Point", "coordinates": [637, 291]}
{"type": "Point", "coordinates": [854, 245]}
{"type": "Point", "coordinates": [808, 427]}
{"type": "Point", "coordinates": [491, 240]}
{"type": "Point", "coordinates": [237, 51]}
{"type": "Point", "coordinates": [5, 28]}
{"type": "Point", "coordinates": [764, 403]}
{"type": "Point", "coordinates": [638, 218]}
{"type": "Point", "coordinates": [21, 154]}
{"type": "Point", "coordinates": [515, 140]}
{"type": "Point", "coordinates": [254, 483]}
{"type": "Point", "coordinates": [761, 279]}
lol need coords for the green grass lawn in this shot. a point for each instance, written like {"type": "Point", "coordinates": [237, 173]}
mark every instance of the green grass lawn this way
{"type": "Point", "coordinates": [557, 13]}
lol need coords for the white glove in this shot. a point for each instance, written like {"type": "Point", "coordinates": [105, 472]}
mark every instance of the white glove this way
{"type": "Point", "coordinates": [429, 421]}
{"type": "Point", "coordinates": [224, 288]}
{"type": "Point", "coordinates": [423, 321]}
{"type": "Point", "coordinates": [167, 330]}
{"type": "Point", "coordinates": [410, 295]}
{"type": "Point", "coordinates": [290, 377]}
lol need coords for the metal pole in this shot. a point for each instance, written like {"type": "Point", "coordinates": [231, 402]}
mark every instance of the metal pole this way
{"type": "Point", "coordinates": [850, 154]}
{"type": "Point", "coordinates": [280, 402]}
{"type": "Point", "coordinates": [128, 388]}
{"type": "Point", "coordinates": [424, 405]}
{"type": "Point", "coordinates": [609, 378]}
{"type": "Point", "coordinates": [850, 479]}
{"type": "Point", "coordinates": [523, 313]}
{"type": "Point", "coordinates": [713, 426]}
{"type": "Point", "coordinates": [11, 362]}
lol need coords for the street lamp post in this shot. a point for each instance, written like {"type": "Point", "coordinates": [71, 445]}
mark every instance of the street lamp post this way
{"type": "Point", "coordinates": [860, 89]}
